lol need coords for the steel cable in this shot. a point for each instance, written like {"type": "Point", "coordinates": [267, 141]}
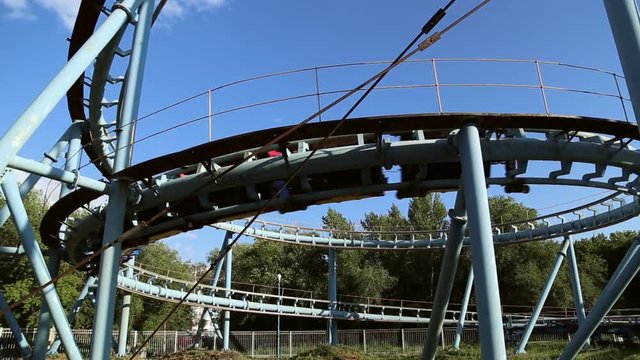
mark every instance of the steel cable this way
{"type": "Point", "coordinates": [402, 57]}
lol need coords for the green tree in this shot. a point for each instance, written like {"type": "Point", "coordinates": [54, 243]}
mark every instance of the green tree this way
{"type": "Point", "coordinates": [16, 276]}
{"type": "Point", "coordinates": [423, 268]}
{"type": "Point", "coordinates": [146, 313]}
{"type": "Point", "coordinates": [358, 274]}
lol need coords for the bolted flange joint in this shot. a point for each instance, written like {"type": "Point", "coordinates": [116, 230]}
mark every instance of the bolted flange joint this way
{"type": "Point", "coordinates": [456, 218]}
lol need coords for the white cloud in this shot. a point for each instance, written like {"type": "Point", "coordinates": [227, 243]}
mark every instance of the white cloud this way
{"type": "Point", "coordinates": [178, 9]}
{"type": "Point", "coordinates": [67, 10]}
{"type": "Point", "coordinates": [204, 5]}
{"type": "Point", "coordinates": [18, 9]}
{"type": "Point", "coordinates": [173, 10]}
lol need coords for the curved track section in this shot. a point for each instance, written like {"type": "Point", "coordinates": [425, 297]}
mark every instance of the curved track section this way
{"type": "Point", "coordinates": [85, 24]}
{"type": "Point", "coordinates": [351, 167]}
{"type": "Point", "coordinates": [155, 286]}
{"type": "Point", "coordinates": [604, 212]}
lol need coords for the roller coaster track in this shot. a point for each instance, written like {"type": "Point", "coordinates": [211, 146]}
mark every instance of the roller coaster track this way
{"type": "Point", "coordinates": [153, 285]}
{"type": "Point", "coordinates": [352, 165]}
{"type": "Point", "coordinates": [176, 190]}
{"type": "Point", "coordinates": [603, 212]}
{"type": "Point", "coordinates": [165, 288]}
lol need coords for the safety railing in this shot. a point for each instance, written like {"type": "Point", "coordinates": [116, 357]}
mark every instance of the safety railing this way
{"type": "Point", "coordinates": [416, 86]}
{"type": "Point", "coordinates": [382, 309]}
{"type": "Point", "coordinates": [608, 208]}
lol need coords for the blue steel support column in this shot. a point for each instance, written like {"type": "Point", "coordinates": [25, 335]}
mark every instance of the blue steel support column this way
{"type": "Point", "coordinates": [463, 310]}
{"type": "Point", "coordinates": [214, 282]}
{"type": "Point", "coordinates": [114, 224]}
{"type": "Point", "coordinates": [216, 274]}
{"type": "Point", "coordinates": [543, 297]}
{"type": "Point", "coordinates": [41, 343]}
{"type": "Point", "coordinates": [605, 302]}
{"type": "Point", "coordinates": [49, 158]}
{"type": "Point", "coordinates": [23, 344]}
{"type": "Point", "coordinates": [575, 281]}
{"type": "Point", "coordinates": [447, 275]}
{"type": "Point", "coordinates": [124, 315]}
{"type": "Point", "coordinates": [482, 253]}
{"type": "Point", "coordinates": [227, 314]}
{"type": "Point", "coordinates": [332, 324]}
{"type": "Point", "coordinates": [71, 316]}
{"type": "Point", "coordinates": [625, 26]}
{"type": "Point", "coordinates": [22, 129]}
{"type": "Point", "coordinates": [32, 249]}
{"type": "Point", "coordinates": [53, 264]}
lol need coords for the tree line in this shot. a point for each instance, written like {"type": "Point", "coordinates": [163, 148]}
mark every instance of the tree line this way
{"type": "Point", "coordinates": [363, 275]}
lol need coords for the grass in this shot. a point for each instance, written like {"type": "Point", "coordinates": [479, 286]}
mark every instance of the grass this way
{"type": "Point", "coordinates": [551, 351]}
{"type": "Point", "coordinates": [535, 351]}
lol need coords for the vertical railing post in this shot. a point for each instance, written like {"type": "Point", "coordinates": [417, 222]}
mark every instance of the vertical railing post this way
{"type": "Point", "coordinates": [624, 107]}
{"type": "Point", "coordinates": [437, 85]}
{"type": "Point", "coordinates": [290, 343]}
{"type": "Point", "coordinates": [332, 324]}
{"type": "Point", "coordinates": [253, 344]}
{"type": "Point", "coordinates": [482, 252]}
{"type": "Point", "coordinates": [364, 341]}
{"type": "Point", "coordinates": [541, 85]}
{"type": "Point", "coordinates": [124, 314]}
{"type": "Point", "coordinates": [209, 114]}
{"type": "Point", "coordinates": [318, 94]}
{"type": "Point", "coordinates": [227, 284]}
{"type": "Point", "coordinates": [175, 341]}
{"type": "Point", "coordinates": [114, 224]}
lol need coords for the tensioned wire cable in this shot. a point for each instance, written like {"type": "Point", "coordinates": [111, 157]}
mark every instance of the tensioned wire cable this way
{"type": "Point", "coordinates": [214, 177]}
{"type": "Point", "coordinates": [143, 224]}
{"type": "Point", "coordinates": [401, 58]}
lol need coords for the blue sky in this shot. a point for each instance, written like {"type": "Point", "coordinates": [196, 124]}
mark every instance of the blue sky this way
{"type": "Point", "coordinates": [201, 44]}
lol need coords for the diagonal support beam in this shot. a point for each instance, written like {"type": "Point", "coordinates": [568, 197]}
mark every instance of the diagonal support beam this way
{"type": "Point", "coordinates": [576, 288]}
{"type": "Point", "coordinates": [463, 310]}
{"type": "Point", "coordinates": [24, 127]}
{"type": "Point", "coordinates": [214, 282]}
{"type": "Point", "coordinates": [543, 297]}
{"type": "Point", "coordinates": [626, 271]}
{"type": "Point", "coordinates": [21, 340]}
{"type": "Point", "coordinates": [32, 249]}
{"type": "Point", "coordinates": [49, 158]}
{"type": "Point", "coordinates": [447, 275]}
{"type": "Point", "coordinates": [72, 164]}
{"type": "Point", "coordinates": [71, 315]}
